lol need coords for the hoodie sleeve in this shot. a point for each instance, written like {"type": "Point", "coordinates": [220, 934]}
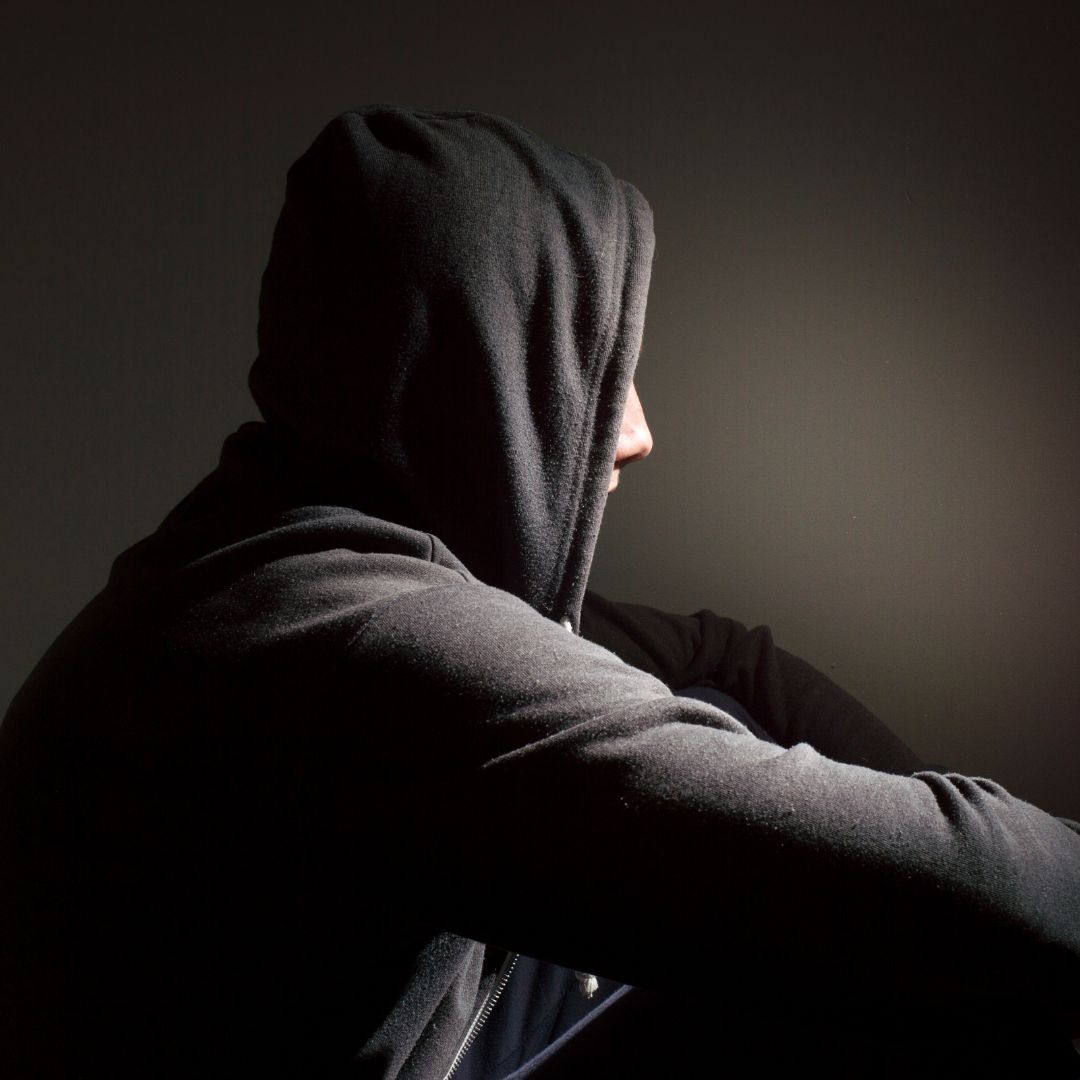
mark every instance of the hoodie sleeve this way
{"type": "Point", "coordinates": [551, 799]}
{"type": "Point", "coordinates": [790, 698]}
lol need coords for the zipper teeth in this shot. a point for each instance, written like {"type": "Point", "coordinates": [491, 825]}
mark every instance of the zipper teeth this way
{"type": "Point", "coordinates": [485, 1011]}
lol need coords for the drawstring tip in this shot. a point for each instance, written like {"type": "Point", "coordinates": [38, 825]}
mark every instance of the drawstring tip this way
{"type": "Point", "coordinates": [587, 983]}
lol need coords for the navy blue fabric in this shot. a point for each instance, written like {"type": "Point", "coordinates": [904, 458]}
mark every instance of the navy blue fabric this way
{"type": "Point", "coordinates": [729, 705]}
{"type": "Point", "coordinates": [541, 1003]}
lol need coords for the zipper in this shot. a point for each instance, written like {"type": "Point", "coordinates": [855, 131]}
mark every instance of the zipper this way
{"type": "Point", "coordinates": [502, 977]}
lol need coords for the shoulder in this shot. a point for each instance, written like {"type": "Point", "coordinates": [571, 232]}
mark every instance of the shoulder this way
{"type": "Point", "coordinates": [252, 578]}
{"type": "Point", "coordinates": [322, 561]}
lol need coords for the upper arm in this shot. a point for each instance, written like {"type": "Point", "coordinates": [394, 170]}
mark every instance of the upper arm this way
{"type": "Point", "coordinates": [552, 799]}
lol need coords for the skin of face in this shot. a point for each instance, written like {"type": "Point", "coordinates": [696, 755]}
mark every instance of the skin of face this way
{"type": "Point", "coordinates": [635, 439]}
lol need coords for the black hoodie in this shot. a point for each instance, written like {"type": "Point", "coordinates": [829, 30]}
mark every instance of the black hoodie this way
{"type": "Point", "coordinates": [325, 730]}
{"type": "Point", "coordinates": [452, 312]}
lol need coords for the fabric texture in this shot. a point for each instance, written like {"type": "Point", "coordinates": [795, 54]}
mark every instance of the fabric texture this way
{"type": "Point", "coordinates": [791, 699]}
{"type": "Point", "coordinates": [452, 311]}
{"type": "Point", "coordinates": [285, 795]}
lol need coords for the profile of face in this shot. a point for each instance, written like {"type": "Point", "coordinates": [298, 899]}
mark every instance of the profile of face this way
{"type": "Point", "coordinates": [635, 439]}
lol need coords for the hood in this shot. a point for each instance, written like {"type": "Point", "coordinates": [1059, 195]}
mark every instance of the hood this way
{"type": "Point", "coordinates": [448, 326]}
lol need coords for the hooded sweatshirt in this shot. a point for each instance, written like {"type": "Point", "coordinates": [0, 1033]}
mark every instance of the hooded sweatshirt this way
{"type": "Point", "coordinates": [283, 799]}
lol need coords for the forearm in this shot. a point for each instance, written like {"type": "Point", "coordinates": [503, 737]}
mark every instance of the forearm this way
{"type": "Point", "coordinates": [610, 826]}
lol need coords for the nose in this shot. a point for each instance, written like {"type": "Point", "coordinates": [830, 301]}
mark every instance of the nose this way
{"type": "Point", "coordinates": [635, 438]}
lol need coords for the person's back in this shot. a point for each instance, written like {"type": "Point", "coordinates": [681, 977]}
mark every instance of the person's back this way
{"type": "Point", "coordinates": [207, 832]}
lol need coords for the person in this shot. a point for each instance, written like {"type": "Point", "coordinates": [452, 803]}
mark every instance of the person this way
{"type": "Point", "coordinates": [333, 747]}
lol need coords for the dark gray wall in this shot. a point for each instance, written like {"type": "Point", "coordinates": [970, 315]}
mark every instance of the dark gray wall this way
{"type": "Point", "coordinates": [860, 362]}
